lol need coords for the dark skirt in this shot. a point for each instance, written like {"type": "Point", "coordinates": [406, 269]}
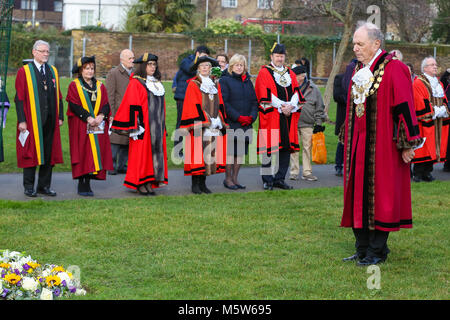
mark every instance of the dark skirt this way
{"type": "Point", "coordinates": [237, 143]}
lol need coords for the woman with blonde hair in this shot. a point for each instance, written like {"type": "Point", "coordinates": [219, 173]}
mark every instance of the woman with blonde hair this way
{"type": "Point", "coordinates": [241, 109]}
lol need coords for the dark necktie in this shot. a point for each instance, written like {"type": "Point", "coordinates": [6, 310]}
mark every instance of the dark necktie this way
{"type": "Point", "coordinates": [43, 77]}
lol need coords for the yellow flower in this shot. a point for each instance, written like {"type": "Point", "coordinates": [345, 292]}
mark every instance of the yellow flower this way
{"type": "Point", "coordinates": [53, 281]}
{"type": "Point", "coordinates": [5, 265]}
{"type": "Point", "coordinates": [58, 269]}
{"type": "Point", "coordinates": [12, 278]}
{"type": "Point", "coordinates": [33, 265]}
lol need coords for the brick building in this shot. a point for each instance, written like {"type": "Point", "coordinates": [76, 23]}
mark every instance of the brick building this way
{"type": "Point", "coordinates": [43, 12]}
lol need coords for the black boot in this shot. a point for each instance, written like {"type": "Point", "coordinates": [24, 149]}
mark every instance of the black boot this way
{"type": "Point", "coordinates": [88, 187]}
{"type": "Point", "coordinates": [202, 183]}
{"type": "Point", "coordinates": [195, 185]}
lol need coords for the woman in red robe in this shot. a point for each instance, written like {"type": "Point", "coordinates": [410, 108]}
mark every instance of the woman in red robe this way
{"type": "Point", "coordinates": [88, 114]}
{"type": "Point", "coordinates": [203, 116]}
{"type": "Point", "coordinates": [142, 113]}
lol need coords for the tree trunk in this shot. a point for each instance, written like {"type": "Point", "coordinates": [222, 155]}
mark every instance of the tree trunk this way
{"type": "Point", "coordinates": [348, 24]}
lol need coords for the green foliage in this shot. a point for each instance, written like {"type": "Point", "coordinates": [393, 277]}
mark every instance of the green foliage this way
{"type": "Point", "coordinates": [252, 30]}
{"type": "Point", "coordinates": [94, 29]}
{"type": "Point", "coordinates": [225, 26]}
{"type": "Point", "coordinates": [440, 28]}
{"type": "Point", "coordinates": [22, 40]}
{"type": "Point", "coordinates": [159, 16]}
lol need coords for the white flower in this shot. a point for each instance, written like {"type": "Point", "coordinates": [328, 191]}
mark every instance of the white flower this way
{"type": "Point", "coordinates": [46, 294]}
{"type": "Point", "coordinates": [29, 284]}
{"type": "Point", "coordinates": [46, 273]}
{"type": "Point", "coordinates": [80, 292]}
{"type": "Point", "coordinates": [65, 277]}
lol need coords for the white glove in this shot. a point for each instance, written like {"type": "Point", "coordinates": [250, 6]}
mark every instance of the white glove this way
{"type": "Point", "coordinates": [216, 123]}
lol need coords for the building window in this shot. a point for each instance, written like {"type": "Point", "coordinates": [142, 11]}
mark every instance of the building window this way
{"type": "Point", "coordinates": [58, 6]}
{"type": "Point", "coordinates": [28, 4]}
{"type": "Point", "coordinates": [87, 18]}
{"type": "Point", "coordinates": [265, 4]}
{"type": "Point", "coordinates": [229, 3]}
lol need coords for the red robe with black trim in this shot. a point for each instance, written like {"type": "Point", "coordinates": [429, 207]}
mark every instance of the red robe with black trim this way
{"type": "Point", "coordinates": [82, 159]}
{"type": "Point", "coordinates": [196, 119]}
{"type": "Point", "coordinates": [276, 131]}
{"type": "Point", "coordinates": [132, 113]}
{"type": "Point", "coordinates": [377, 190]}
{"type": "Point", "coordinates": [430, 128]}
{"type": "Point", "coordinates": [27, 155]}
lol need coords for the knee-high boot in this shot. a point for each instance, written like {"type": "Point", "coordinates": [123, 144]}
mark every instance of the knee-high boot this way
{"type": "Point", "coordinates": [202, 183]}
{"type": "Point", "coordinates": [195, 185]}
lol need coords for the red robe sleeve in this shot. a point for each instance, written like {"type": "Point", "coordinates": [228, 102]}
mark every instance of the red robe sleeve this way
{"type": "Point", "coordinates": [193, 114]}
{"type": "Point", "coordinates": [130, 114]}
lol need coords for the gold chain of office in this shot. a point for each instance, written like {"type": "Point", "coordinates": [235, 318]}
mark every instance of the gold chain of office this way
{"type": "Point", "coordinates": [375, 80]}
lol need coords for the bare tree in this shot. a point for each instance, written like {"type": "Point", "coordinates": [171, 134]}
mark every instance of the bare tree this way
{"type": "Point", "coordinates": [342, 11]}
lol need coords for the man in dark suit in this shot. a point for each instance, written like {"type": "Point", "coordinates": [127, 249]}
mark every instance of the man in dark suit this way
{"type": "Point", "coordinates": [39, 115]}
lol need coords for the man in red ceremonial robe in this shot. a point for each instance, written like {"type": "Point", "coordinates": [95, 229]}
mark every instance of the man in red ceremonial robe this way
{"type": "Point", "coordinates": [434, 120]}
{"type": "Point", "coordinates": [280, 102]}
{"type": "Point", "coordinates": [39, 109]}
{"type": "Point", "coordinates": [381, 132]}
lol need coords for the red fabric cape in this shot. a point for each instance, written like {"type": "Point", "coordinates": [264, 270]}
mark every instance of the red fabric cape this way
{"type": "Point", "coordinates": [427, 127]}
{"type": "Point", "coordinates": [133, 111]}
{"type": "Point", "coordinates": [26, 155]}
{"type": "Point", "coordinates": [269, 137]}
{"type": "Point", "coordinates": [391, 177]}
{"type": "Point", "coordinates": [80, 147]}
{"type": "Point", "coordinates": [194, 118]}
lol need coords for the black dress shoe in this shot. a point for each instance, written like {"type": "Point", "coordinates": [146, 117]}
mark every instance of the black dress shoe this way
{"type": "Point", "coordinates": [416, 179]}
{"type": "Point", "coordinates": [112, 172]}
{"type": "Point", "coordinates": [30, 193]}
{"type": "Point", "coordinates": [368, 261]}
{"type": "Point", "coordinates": [282, 185]}
{"type": "Point", "coordinates": [268, 186]}
{"type": "Point", "coordinates": [428, 178]}
{"type": "Point", "coordinates": [233, 187]}
{"type": "Point", "coordinates": [240, 186]}
{"type": "Point", "coordinates": [46, 191]}
{"type": "Point", "coordinates": [121, 171]}
{"type": "Point", "coordinates": [355, 257]}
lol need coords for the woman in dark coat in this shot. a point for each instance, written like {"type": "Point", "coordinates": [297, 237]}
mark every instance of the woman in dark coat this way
{"type": "Point", "coordinates": [241, 109]}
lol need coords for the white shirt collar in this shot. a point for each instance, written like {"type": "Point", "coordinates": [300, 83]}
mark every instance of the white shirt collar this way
{"type": "Point", "coordinates": [38, 65]}
{"type": "Point", "coordinates": [277, 68]}
{"type": "Point", "coordinates": [127, 70]}
{"type": "Point", "coordinates": [373, 59]}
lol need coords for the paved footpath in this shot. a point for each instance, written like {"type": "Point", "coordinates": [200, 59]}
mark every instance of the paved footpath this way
{"type": "Point", "coordinates": [112, 187]}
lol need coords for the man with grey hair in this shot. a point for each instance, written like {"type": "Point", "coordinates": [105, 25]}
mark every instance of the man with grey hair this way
{"type": "Point", "coordinates": [433, 114]}
{"type": "Point", "coordinates": [117, 81]}
{"type": "Point", "coordinates": [39, 109]}
{"type": "Point", "coordinates": [380, 135]}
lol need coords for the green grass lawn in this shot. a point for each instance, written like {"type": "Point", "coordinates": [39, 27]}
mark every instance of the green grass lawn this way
{"type": "Point", "coordinates": [9, 133]}
{"type": "Point", "coordinates": [257, 245]}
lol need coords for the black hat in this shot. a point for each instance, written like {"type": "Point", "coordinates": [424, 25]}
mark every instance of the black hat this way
{"type": "Point", "coordinates": [278, 48]}
{"type": "Point", "coordinates": [146, 57]}
{"type": "Point", "coordinates": [27, 61]}
{"type": "Point", "coordinates": [81, 62]}
{"type": "Point", "coordinates": [300, 69]}
{"type": "Point", "coordinates": [199, 60]}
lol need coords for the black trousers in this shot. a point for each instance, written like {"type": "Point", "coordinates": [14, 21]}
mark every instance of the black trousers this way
{"type": "Point", "coordinates": [422, 169]}
{"type": "Point", "coordinates": [339, 159]}
{"type": "Point", "coordinates": [45, 170]}
{"type": "Point", "coordinates": [284, 158]}
{"type": "Point", "coordinates": [179, 113]}
{"type": "Point", "coordinates": [371, 243]}
{"type": "Point", "coordinates": [120, 156]}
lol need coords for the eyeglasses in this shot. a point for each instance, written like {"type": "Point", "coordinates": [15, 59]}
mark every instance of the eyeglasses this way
{"type": "Point", "coordinates": [432, 65]}
{"type": "Point", "coordinates": [43, 51]}
{"type": "Point", "coordinates": [151, 63]}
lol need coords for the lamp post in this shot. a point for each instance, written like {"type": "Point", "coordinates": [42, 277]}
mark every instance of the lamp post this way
{"type": "Point", "coordinates": [206, 17]}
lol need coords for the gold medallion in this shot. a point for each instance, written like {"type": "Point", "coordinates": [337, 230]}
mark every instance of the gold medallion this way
{"type": "Point", "coordinates": [359, 110]}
